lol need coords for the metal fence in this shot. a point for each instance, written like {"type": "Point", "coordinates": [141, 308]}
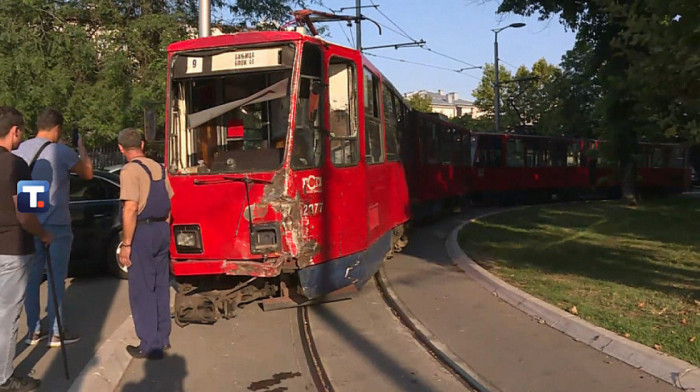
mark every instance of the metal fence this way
{"type": "Point", "coordinates": [110, 155]}
{"type": "Point", "coordinates": [106, 156]}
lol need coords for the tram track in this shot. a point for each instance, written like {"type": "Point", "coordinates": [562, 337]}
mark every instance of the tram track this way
{"type": "Point", "coordinates": [467, 376]}
{"type": "Point", "coordinates": [313, 359]}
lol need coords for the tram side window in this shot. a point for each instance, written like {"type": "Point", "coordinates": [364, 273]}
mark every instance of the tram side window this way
{"type": "Point", "coordinates": [391, 124]}
{"type": "Point", "coordinates": [657, 159]}
{"type": "Point", "coordinates": [342, 94]}
{"type": "Point", "coordinates": [643, 156]}
{"type": "Point", "coordinates": [677, 160]}
{"type": "Point", "coordinates": [536, 154]}
{"type": "Point", "coordinates": [374, 140]}
{"type": "Point", "coordinates": [573, 155]}
{"type": "Point", "coordinates": [488, 152]}
{"type": "Point", "coordinates": [430, 135]}
{"type": "Point", "coordinates": [307, 151]}
{"type": "Point", "coordinates": [557, 153]}
{"type": "Point", "coordinates": [445, 144]}
{"type": "Point", "coordinates": [514, 153]}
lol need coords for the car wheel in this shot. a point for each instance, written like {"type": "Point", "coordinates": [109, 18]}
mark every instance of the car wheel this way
{"type": "Point", "coordinates": [113, 258]}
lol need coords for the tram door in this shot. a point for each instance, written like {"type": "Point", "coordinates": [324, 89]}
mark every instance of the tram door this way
{"type": "Point", "coordinates": [344, 177]}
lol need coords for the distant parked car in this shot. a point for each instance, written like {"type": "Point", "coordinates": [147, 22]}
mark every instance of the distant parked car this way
{"type": "Point", "coordinates": [94, 207]}
{"type": "Point", "coordinates": [114, 169]}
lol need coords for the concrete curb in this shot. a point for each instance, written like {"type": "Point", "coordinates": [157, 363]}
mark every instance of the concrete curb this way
{"type": "Point", "coordinates": [106, 368]}
{"type": "Point", "coordinates": [676, 372]}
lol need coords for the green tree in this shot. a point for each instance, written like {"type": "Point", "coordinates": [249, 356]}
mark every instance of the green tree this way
{"type": "Point", "coordinates": [526, 97]}
{"type": "Point", "coordinates": [420, 102]}
{"type": "Point", "coordinates": [478, 124]}
{"type": "Point", "coordinates": [101, 62]}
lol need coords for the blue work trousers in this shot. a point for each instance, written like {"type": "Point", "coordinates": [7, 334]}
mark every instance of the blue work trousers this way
{"type": "Point", "coordinates": [149, 289]}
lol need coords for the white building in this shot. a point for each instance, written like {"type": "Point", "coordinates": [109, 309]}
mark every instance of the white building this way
{"type": "Point", "coordinates": [448, 104]}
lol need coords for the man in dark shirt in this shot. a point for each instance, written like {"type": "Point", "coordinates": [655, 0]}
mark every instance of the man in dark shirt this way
{"type": "Point", "coordinates": [16, 247]}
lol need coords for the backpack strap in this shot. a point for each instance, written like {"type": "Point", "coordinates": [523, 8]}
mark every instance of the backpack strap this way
{"type": "Point", "coordinates": [36, 156]}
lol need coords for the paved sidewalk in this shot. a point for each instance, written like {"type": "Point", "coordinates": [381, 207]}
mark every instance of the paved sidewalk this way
{"type": "Point", "coordinates": [505, 346]}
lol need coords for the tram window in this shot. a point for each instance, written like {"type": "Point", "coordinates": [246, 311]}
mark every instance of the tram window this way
{"type": "Point", "coordinates": [657, 158]}
{"type": "Point", "coordinates": [643, 156]}
{"type": "Point", "coordinates": [536, 154]}
{"type": "Point", "coordinates": [488, 151]}
{"type": "Point", "coordinates": [231, 123]}
{"type": "Point", "coordinates": [446, 144]}
{"type": "Point", "coordinates": [514, 153]}
{"type": "Point", "coordinates": [677, 160]}
{"type": "Point", "coordinates": [374, 140]}
{"type": "Point", "coordinates": [466, 148]}
{"type": "Point", "coordinates": [432, 143]}
{"type": "Point", "coordinates": [573, 155]}
{"type": "Point", "coordinates": [391, 124]}
{"type": "Point", "coordinates": [308, 144]}
{"type": "Point", "coordinates": [557, 153]}
{"type": "Point", "coordinates": [342, 94]}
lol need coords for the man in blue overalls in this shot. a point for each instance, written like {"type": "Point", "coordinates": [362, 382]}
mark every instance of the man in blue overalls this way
{"type": "Point", "coordinates": [145, 194]}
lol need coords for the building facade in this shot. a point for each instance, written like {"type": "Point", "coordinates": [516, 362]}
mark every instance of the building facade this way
{"type": "Point", "coordinates": [448, 104]}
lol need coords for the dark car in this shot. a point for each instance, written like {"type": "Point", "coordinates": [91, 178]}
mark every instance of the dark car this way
{"type": "Point", "coordinates": [94, 208]}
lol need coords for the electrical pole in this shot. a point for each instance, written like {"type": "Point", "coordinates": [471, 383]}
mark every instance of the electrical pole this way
{"type": "Point", "coordinates": [204, 18]}
{"type": "Point", "coordinates": [358, 27]}
{"type": "Point", "coordinates": [496, 86]}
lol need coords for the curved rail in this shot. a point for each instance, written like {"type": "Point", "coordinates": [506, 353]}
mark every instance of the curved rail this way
{"type": "Point", "coordinates": [448, 359]}
{"type": "Point", "coordinates": [313, 359]}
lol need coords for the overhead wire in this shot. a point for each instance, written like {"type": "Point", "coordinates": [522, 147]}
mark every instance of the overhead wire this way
{"type": "Point", "coordinates": [422, 64]}
{"type": "Point", "coordinates": [408, 36]}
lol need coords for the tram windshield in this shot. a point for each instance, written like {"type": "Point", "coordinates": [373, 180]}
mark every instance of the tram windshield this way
{"type": "Point", "coordinates": [229, 110]}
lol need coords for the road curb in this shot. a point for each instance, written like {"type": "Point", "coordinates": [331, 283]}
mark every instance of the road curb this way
{"type": "Point", "coordinates": [106, 368]}
{"type": "Point", "coordinates": [676, 372]}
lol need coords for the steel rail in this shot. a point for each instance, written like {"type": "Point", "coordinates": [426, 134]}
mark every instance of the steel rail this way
{"type": "Point", "coordinates": [313, 359]}
{"type": "Point", "coordinates": [453, 364]}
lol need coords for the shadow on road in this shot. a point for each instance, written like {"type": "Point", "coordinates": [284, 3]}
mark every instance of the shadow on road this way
{"type": "Point", "coordinates": [167, 375]}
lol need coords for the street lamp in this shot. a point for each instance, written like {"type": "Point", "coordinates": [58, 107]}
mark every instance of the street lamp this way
{"type": "Point", "coordinates": [497, 91]}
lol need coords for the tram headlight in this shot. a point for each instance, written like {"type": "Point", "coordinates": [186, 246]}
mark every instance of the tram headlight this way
{"type": "Point", "coordinates": [188, 239]}
{"type": "Point", "coordinates": [265, 238]}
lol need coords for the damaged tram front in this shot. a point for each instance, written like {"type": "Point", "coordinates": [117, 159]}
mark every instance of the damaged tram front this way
{"type": "Point", "coordinates": [245, 157]}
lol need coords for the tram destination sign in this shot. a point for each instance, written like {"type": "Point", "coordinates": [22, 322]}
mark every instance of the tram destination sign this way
{"type": "Point", "coordinates": [202, 64]}
{"type": "Point", "coordinates": [245, 59]}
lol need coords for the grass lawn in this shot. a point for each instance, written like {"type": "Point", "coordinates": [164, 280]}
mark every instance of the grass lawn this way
{"type": "Point", "coordinates": [632, 270]}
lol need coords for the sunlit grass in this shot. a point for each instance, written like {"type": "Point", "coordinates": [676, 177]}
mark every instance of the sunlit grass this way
{"type": "Point", "coordinates": [632, 270]}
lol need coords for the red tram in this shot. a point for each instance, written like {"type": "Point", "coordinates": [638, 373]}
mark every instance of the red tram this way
{"type": "Point", "coordinates": [295, 166]}
{"type": "Point", "coordinates": [283, 153]}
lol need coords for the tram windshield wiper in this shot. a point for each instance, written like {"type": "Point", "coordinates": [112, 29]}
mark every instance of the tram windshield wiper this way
{"type": "Point", "coordinates": [223, 179]}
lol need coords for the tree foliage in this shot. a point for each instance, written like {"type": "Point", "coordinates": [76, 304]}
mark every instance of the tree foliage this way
{"type": "Point", "coordinates": [102, 62]}
{"type": "Point", "coordinates": [420, 102]}
{"type": "Point", "coordinates": [639, 60]}
{"type": "Point", "coordinates": [526, 97]}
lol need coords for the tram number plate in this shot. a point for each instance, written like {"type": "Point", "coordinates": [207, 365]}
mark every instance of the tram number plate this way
{"type": "Point", "coordinates": [313, 209]}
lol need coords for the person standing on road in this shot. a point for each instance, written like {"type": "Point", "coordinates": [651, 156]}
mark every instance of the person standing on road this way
{"type": "Point", "coordinates": [16, 247]}
{"type": "Point", "coordinates": [145, 194]}
{"type": "Point", "coordinates": [52, 161]}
